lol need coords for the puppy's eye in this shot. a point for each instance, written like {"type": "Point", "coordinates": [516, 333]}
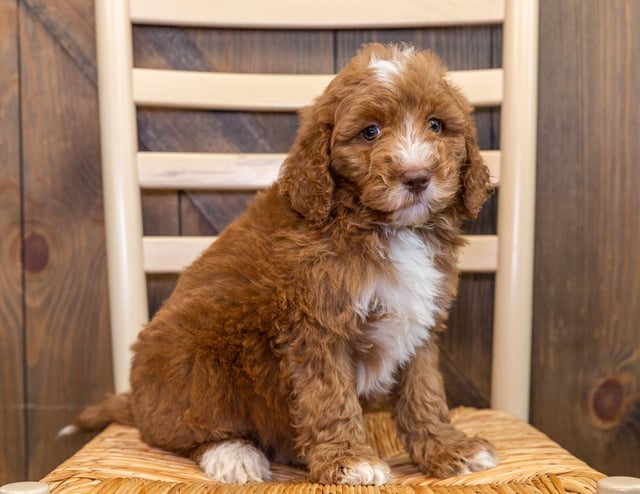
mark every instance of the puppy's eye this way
{"type": "Point", "coordinates": [435, 125]}
{"type": "Point", "coordinates": [371, 132]}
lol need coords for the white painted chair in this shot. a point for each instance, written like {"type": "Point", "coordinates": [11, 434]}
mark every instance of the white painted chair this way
{"type": "Point", "coordinates": [126, 170]}
{"type": "Point", "coordinates": [131, 255]}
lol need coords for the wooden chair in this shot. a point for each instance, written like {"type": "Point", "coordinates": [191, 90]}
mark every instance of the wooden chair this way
{"type": "Point", "coordinates": [116, 458]}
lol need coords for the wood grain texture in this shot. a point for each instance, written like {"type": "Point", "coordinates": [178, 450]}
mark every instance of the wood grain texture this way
{"type": "Point", "coordinates": [586, 366]}
{"type": "Point", "coordinates": [72, 26]}
{"type": "Point", "coordinates": [68, 362]}
{"type": "Point", "coordinates": [12, 419]}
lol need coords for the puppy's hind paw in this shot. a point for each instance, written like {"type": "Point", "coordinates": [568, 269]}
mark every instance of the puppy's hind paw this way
{"type": "Point", "coordinates": [235, 462]}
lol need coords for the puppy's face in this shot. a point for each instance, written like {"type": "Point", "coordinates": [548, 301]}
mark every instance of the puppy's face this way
{"type": "Point", "coordinates": [399, 135]}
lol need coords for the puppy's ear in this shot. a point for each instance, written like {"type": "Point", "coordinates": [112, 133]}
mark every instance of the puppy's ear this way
{"type": "Point", "coordinates": [304, 176]}
{"type": "Point", "coordinates": [476, 186]}
{"type": "Point", "coordinates": [475, 181]}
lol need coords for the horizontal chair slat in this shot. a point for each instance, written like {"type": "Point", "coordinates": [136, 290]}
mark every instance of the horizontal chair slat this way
{"type": "Point", "coordinates": [172, 254]}
{"type": "Point", "coordinates": [272, 92]}
{"type": "Point", "coordinates": [211, 171]}
{"type": "Point", "coordinates": [328, 14]}
{"type": "Point", "coordinates": [480, 254]}
{"type": "Point", "coordinates": [208, 171]}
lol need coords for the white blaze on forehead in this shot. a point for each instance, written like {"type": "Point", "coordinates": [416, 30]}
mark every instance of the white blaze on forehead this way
{"type": "Point", "coordinates": [388, 69]}
{"type": "Point", "coordinates": [412, 148]}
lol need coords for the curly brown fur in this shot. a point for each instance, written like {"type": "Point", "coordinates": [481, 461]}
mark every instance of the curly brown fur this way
{"type": "Point", "coordinates": [331, 287]}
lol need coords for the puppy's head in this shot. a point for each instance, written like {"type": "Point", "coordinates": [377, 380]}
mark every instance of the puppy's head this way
{"type": "Point", "coordinates": [393, 131]}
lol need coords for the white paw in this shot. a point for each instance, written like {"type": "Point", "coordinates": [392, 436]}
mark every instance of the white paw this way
{"type": "Point", "coordinates": [364, 473]}
{"type": "Point", "coordinates": [235, 462]}
{"type": "Point", "coordinates": [482, 460]}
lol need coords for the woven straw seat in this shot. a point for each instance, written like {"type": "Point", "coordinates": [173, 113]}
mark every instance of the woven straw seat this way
{"type": "Point", "coordinates": [118, 461]}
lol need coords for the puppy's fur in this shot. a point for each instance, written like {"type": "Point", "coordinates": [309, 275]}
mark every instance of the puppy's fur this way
{"type": "Point", "coordinates": [331, 287]}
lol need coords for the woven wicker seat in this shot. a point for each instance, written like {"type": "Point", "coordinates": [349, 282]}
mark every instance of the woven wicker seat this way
{"type": "Point", "coordinates": [117, 460]}
{"type": "Point", "coordinates": [530, 463]}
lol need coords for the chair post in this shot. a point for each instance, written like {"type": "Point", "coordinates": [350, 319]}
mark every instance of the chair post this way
{"type": "Point", "coordinates": [123, 218]}
{"type": "Point", "coordinates": [511, 371]}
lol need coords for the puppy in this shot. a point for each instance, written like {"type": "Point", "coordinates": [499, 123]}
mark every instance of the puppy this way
{"type": "Point", "coordinates": [330, 288]}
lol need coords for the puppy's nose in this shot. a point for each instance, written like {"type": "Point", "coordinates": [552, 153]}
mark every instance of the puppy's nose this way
{"type": "Point", "coordinates": [416, 180]}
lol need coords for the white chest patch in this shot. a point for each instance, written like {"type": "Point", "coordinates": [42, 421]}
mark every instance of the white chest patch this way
{"type": "Point", "coordinates": [410, 309]}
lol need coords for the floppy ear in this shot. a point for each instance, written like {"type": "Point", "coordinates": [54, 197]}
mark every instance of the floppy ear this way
{"type": "Point", "coordinates": [476, 186]}
{"type": "Point", "coordinates": [304, 176]}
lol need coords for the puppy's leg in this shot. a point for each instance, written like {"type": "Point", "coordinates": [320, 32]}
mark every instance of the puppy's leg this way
{"type": "Point", "coordinates": [234, 461]}
{"type": "Point", "coordinates": [422, 419]}
{"type": "Point", "coordinates": [328, 419]}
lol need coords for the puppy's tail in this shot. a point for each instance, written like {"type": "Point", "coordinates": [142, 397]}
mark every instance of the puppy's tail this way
{"type": "Point", "coordinates": [114, 408]}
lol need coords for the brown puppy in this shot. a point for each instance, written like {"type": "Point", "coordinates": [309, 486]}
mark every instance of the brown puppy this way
{"type": "Point", "coordinates": [329, 288]}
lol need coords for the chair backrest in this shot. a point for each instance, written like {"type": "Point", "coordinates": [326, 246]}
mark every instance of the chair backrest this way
{"type": "Point", "coordinates": [123, 88]}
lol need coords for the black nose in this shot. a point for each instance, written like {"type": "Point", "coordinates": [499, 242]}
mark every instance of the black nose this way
{"type": "Point", "coordinates": [416, 180]}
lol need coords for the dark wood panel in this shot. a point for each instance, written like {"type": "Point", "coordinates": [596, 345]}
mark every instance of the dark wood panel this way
{"type": "Point", "coordinates": [586, 368]}
{"type": "Point", "coordinates": [234, 50]}
{"type": "Point", "coordinates": [68, 361]}
{"type": "Point", "coordinates": [12, 420]}
{"type": "Point", "coordinates": [459, 47]}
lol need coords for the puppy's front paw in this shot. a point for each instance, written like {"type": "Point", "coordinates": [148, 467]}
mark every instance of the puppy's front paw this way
{"type": "Point", "coordinates": [354, 471]}
{"type": "Point", "coordinates": [457, 454]}
{"type": "Point", "coordinates": [482, 460]}
{"type": "Point", "coordinates": [365, 473]}
{"type": "Point", "coordinates": [235, 462]}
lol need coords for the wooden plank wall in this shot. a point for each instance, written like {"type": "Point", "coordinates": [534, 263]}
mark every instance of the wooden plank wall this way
{"type": "Point", "coordinates": [12, 429]}
{"type": "Point", "coordinates": [68, 362]}
{"type": "Point", "coordinates": [586, 381]}
{"type": "Point", "coordinates": [53, 307]}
